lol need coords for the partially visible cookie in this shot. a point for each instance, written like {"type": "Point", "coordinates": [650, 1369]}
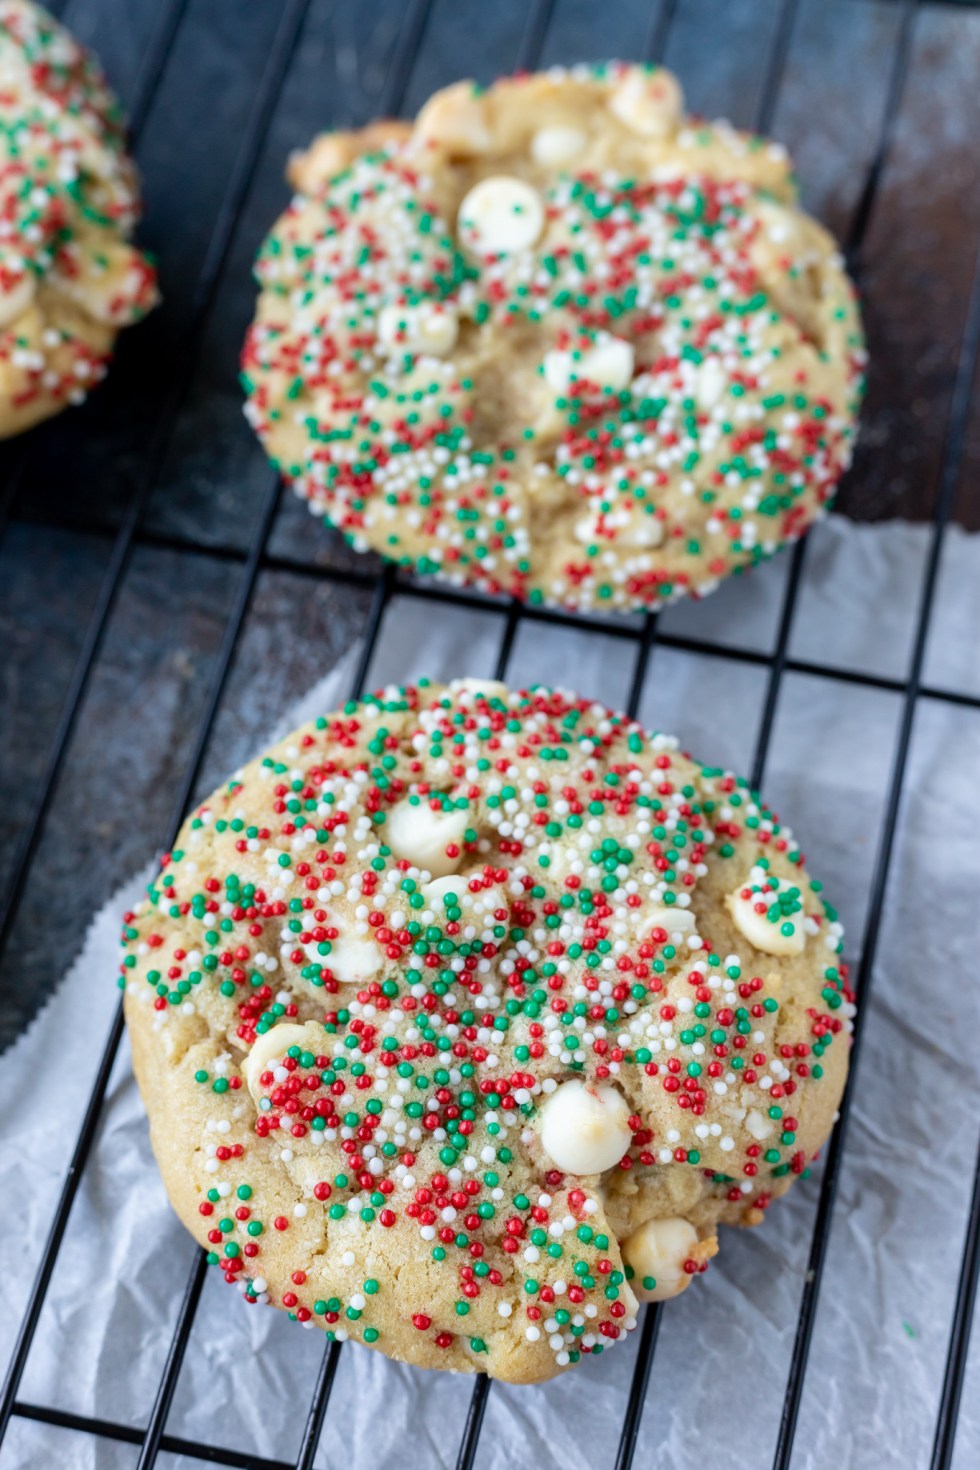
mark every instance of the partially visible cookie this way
{"type": "Point", "coordinates": [556, 340]}
{"type": "Point", "coordinates": [69, 278]}
{"type": "Point", "coordinates": [464, 1016]}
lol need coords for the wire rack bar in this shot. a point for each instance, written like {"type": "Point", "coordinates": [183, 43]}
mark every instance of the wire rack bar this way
{"type": "Point", "coordinates": [535, 31]}
{"type": "Point", "coordinates": [776, 60]}
{"type": "Point", "coordinates": [629, 1433]}
{"type": "Point", "coordinates": [330, 1361]}
{"type": "Point", "coordinates": [861, 218]}
{"type": "Point", "coordinates": [382, 587]}
{"type": "Point", "coordinates": [69, 1189]}
{"type": "Point", "coordinates": [126, 1434]}
{"type": "Point", "coordinates": [150, 75]}
{"type": "Point", "coordinates": [507, 639]}
{"type": "Point", "coordinates": [322, 1390]}
{"type": "Point", "coordinates": [473, 1423]}
{"type": "Point", "coordinates": [660, 24]}
{"type": "Point", "coordinates": [609, 627]}
{"type": "Point", "coordinates": [274, 76]}
{"type": "Point", "coordinates": [153, 1437]}
{"type": "Point", "coordinates": [481, 1391]}
{"type": "Point", "coordinates": [949, 476]}
{"type": "Point", "coordinates": [91, 1119]}
{"type": "Point", "coordinates": [280, 56]}
{"type": "Point", "coordinates": [192, 1293]}
{"type": "Point", "coordinates": [959, 1337]}
{"type": "Point", "coordinates": [393, 91]}
{"type": "Point", "coordinates": [648, 637]}
{"type": "Point", "coordinates": [532, 45]}
{"type": "Point", "coordinates": [532, 40]}
{"type": "Point", "coordinates": [857, 234]}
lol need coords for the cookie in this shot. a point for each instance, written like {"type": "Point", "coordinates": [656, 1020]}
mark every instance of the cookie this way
{"type": "Point", "coordinates": [556, 340]}
{"type": "Point", "coordinates": [69, 278]}
{"type": "Point", "coordinates": [464, 1016]}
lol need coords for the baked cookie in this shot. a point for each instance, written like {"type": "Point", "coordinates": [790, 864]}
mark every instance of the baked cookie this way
{"type": "Point", "coordinates": [556, 340]}
{"type": "Point", "coordinates": [464, 1016]}
{"type": "Point", "coordinates": [69, 278]}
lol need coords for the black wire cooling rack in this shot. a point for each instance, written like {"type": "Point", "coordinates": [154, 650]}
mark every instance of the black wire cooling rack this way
{"type": "Point", "coordinates": [414, 26]}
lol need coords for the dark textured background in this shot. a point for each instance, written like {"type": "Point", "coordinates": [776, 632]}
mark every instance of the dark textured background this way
{"type": "Point", "coordinates": [73, 478]}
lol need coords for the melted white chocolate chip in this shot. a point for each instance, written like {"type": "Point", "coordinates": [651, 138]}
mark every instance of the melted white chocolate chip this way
{"type": "Point", "coordinates": [489, 688]}
{"type": "Point", "coordinates": [353, 960]}
{"type": "Point", "coordinates": [557, 145]}
{"type": "Point", "coordinates": [607, 364]}
{"type": "Point", "coordinates": [421, 835]}
{"type": "Point", "coordinates": [425, 329]}
{"type": "Point", "coordinates": [435, 892]}
{"type": "Point", "coordinates": [750, 917]}
{"type": "Point", "coordinates": [269, 1047]}
{"type": "Point", "coordinates": [478, 908]}
{"type": "Point", "coordinates": [675, 920]}
{"type": "Point", "coordinates": [758, 1124]}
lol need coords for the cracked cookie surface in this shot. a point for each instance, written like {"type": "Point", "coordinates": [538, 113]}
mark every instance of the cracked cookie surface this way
{"type": "Point", "coordinates": [464, 1016]}
{"type": "Point", "coordinates": [554, 339]}
{"type": "Point", "coordinates": [69, 277]}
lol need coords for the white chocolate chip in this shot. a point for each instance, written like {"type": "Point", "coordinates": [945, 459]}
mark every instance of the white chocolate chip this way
{"type": "Point", "coordinates": [464, 689]}
{"type": "Point", "coordinates": [421, 835]}
{"type": "Point", "coordinates": [501, 214]}
{"type": "Point", "coordinates": [607, 364]}
{"type": "Point", "coordinates": [759, 930]}
{"type": "Point", "coordinates": [353, 960]}
{"type": "Point", "coordinates": [657, 1251]}
{"type": "Point", "coordinates": [675, 920]}
{"type": "Point", "coordinates": [427, 329]}
{"type": "Point", "coordinates": [648, 102]}
{"type": "Point", "coordinates": [585, 1130]}
{"type": "Point", "coordinates": [268, 1047]}
{"type": "Point", "coordinates": [557, 144]}
{"type": "Point", "coordinates": [435, 892]}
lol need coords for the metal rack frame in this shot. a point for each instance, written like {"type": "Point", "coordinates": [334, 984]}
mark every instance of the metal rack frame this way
{"type": "Point", "coordinates": [644, 637]}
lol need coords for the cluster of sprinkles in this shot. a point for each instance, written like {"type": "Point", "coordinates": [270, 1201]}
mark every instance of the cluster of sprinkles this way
{"type": "Point", "coordinates": [673, 413]}
{"type": "Point", "coordinates": [461, 982]}
{"type": "Point", "coordinates": [68, 205]}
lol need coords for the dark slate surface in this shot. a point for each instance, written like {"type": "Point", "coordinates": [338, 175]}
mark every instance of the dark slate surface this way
{"type": "Point", "coordinates": [207, 479]}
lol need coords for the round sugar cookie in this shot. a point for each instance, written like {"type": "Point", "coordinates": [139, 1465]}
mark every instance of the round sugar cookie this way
{"type": "Point", "coordinates": [555, 339]}
{"type": "Point", "coordinates": [69, 277]}
{"type": "Point", "coordinates": [464, 1016]}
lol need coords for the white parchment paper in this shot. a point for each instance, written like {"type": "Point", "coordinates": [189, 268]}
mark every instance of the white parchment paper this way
{"type": "Point", "coordinates": [719, 1373]}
